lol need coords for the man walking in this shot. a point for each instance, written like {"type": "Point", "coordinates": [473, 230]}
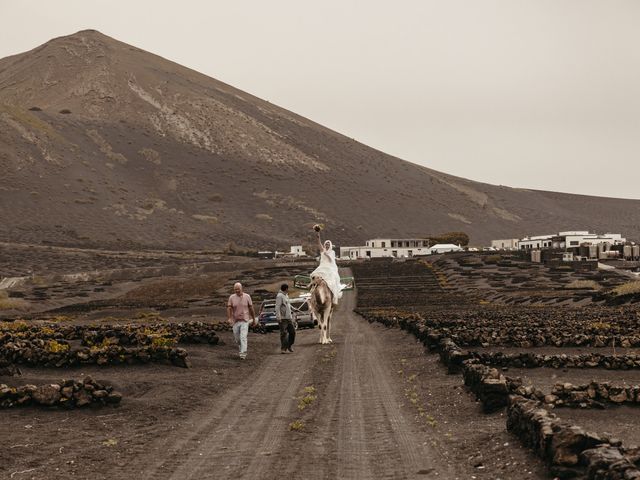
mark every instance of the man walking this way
{"type": "Point", "coordinates": [239, 312]}
{"type": "Point", "coordinates": [283, 314]}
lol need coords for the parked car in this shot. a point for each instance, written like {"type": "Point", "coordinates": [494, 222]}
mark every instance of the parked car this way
{"type": "Point", "coordinates": [302, 315]}
{"type": "Point", "coordinates": [267, 316]}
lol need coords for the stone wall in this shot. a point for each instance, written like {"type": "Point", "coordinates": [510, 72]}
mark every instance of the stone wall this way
{"type": "Point", "coordinates": [132, 334]}
{"type": "Point", "coordinates": [568, 450]}
{"type": "Point", "coordinates": [536, 360]}
{"type": "Point", "coordinates": [58, 353]}
{"type": "Point", "coordinates": [68, 394]}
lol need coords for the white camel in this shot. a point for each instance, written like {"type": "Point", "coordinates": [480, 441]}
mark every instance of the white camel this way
{"type": "Point", "coordinates": [321, 304]}
{"type": "Point", "coordinates": [325, 288]}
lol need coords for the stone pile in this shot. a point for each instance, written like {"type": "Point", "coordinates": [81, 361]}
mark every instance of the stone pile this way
{"type": "Point", "coordinates": [68, 394]}
{"type": "Point", "coordinates": [492, 388]}
{"type": "Point", "coordinates": [536, 360]}
{"type": "Point", "coordinates": [54, 353]}
{"type": "Point", "coordinates": [526, 327]}
{"type": "Point", "coordinates": [592, 395]}
{"type": "Point", "coordinates": [7, 368]}
{"type": "Point", "coordinates": [568, 450]}
{"type": "Point", "coordinates": [523, 327]}
{"type": "Point", "coordinates": [488, 384]}
{"type": "Point", "coordinates": [189, 332]}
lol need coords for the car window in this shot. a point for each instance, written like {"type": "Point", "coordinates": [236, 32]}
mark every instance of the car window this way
{"type": "Point", "coordinates": [267, 306]}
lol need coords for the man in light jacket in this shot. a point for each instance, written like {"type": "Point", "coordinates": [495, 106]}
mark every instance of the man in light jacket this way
{"type": "Point", "coordinates": [283, 314]}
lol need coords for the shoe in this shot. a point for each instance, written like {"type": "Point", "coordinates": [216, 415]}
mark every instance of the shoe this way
{"type": "Point", "coordinates": [243, 357]}
{"type": "Point", "coordinates": [290, 349]}
{"type": "Point", "coordinates": [283, 351]}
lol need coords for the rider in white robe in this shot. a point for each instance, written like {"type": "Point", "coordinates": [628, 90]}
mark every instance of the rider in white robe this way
{"type": "Point", "coordinates": [328, 269]}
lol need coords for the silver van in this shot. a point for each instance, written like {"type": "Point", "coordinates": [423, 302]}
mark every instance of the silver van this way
{"type": "Point", "coordinates": [302, 313]}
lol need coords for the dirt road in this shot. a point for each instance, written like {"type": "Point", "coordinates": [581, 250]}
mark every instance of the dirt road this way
{"type": "Point", "coordinates": [354, 428]}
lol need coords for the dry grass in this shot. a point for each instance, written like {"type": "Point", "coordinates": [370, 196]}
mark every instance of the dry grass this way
{"type": "Point", "coordinates": [583, 285]}
{"type": "Point", "coordinates": [7, 303]}
{"type": "Point", "coordinates": [492, 259]}
{"type": "Point", "coordinates": [307, 398]}
{"type": "Point", "coordinates": [628, 288]}
{"type": "Point", "coordinates": [296, 426]}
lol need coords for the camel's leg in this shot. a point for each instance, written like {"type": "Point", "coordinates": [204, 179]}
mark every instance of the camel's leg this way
{"type": "Point", "coordinates": [321, 326]}
{"type": "Point", "coordinates": [325, 326]}
{"type": "Point", "coordinates": [329, 325]}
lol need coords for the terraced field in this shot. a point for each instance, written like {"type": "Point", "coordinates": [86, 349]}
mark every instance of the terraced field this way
{"type": "Point", "coordinates": [557, 360]}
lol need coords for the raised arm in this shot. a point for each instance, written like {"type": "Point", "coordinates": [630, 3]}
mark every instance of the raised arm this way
{"type": "Point", "coordinates": [320, 246]}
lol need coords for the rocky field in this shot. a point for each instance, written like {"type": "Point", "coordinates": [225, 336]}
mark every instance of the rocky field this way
{"type": "Point", "coordinates": [544, 346]}
{"type": "Point", "coordinates": [118, 363]}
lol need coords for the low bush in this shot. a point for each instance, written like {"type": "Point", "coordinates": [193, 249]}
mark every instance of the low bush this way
{"type": "Point", "coordinates": [7, 303]}
{"type": "Point", "coordinates": [583, 285]}
{"type": "Point", "coordinates": [492, 259]}
{"type": "Point", "coordinates": [628, 288]}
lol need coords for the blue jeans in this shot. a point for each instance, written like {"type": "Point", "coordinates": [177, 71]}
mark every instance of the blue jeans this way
{"type": "Point", "coordinates": [240, 332]}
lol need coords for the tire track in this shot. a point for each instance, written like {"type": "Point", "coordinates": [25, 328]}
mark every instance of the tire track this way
{"type": "Point", "coordinates": [360, 429]}
{"type": "Point", "coordinates": [243, 427]}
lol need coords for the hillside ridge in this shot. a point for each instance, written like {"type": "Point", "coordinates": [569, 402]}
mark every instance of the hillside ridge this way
{"type": "Point", "coordinates": [106, 145]}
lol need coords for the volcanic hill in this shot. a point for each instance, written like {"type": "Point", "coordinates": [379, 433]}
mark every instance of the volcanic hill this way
{"type": "Point", "coordinates": [105, 145]}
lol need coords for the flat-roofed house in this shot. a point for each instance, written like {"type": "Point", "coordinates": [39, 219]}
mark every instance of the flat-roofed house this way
{"type": "Point", "coordinates": [387, 247]}
{"type": "Point", "coordinates": [505, 244]}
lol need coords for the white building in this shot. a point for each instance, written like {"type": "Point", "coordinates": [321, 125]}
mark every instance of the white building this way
{"type": "Point", "coordinates": [297, 251]}
{"type": "Point", "coordinates": [505, 244]}
{"type": "Point", "coordinates": [570, 239]}
{"type": "Point", "coordinates": [294, 251]}
{"type": "Point", "coordinates": [387, 247]}
{"type": "Point", "coordinates": [539, 241]}
{"type": "Point", "coordinates": [575, 239]}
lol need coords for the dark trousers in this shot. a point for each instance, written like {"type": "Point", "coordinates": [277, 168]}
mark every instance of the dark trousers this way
{"type": "Point", "coordinates": [287, 333]}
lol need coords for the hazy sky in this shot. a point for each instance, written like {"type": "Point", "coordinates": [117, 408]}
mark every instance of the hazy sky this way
{"type": "Point", "coordinates": [540, 94]}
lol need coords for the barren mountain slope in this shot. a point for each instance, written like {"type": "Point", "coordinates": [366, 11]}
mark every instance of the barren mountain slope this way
{"type": "Point", "coordinates": [103, 144]}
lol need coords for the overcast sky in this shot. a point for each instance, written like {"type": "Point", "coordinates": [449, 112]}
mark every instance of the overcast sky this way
{"type": "Point", "coordinates": [540, 94]}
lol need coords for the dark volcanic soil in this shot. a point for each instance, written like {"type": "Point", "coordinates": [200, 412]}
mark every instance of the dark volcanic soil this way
{"type": "Point", "coordinates": [373, 404]}
{"type": "Point", "coordinates": [382, 409]}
